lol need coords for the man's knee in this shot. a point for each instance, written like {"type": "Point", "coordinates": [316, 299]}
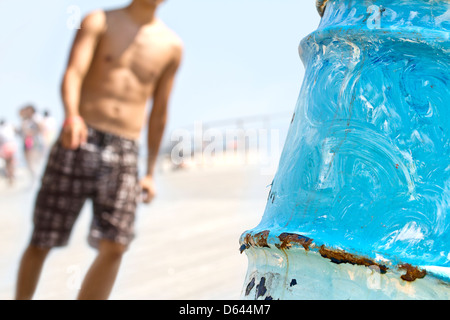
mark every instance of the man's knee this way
{"type": "Point", "coordinates": [112, 249]}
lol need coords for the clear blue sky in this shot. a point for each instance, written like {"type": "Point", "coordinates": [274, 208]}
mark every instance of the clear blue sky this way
{"type": "Point", "coordinates": [241, 56]}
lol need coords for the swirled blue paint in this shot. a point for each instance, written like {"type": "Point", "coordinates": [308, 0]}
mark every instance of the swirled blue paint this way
{"type": "Point", "coordinates": [366, 164]}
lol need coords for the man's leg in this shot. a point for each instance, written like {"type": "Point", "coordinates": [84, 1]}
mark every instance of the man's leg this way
{"type": "Point", "coordinates": [114, 203]}
{"type": "Point", "coordinates": [29, 272]}
{"type": "Point", "coordinates": [58, 203]}
{"type": "Point", "coordinates": [100, 278]}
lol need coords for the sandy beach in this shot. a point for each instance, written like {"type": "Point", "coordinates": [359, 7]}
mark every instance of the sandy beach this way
{"type": "Point", "coordinates": [186, 245]}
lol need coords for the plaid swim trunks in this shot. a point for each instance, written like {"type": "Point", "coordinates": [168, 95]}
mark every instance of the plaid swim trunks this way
{"type": "Point", "coordinates": [104, 170]}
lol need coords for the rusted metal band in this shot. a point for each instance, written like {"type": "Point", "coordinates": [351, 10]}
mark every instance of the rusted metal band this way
{"type": "Point", "coordinates": [321, 4]}
{"type": "Point", "coordinates": [289, 240]}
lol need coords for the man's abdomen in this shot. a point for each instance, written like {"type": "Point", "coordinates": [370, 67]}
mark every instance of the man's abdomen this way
{"type": "Point", "coordinates": [115, 103]}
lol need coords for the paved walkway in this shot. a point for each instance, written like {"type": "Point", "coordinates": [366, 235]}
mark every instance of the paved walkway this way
{"type": "Point", "coordinates": [186, 245]}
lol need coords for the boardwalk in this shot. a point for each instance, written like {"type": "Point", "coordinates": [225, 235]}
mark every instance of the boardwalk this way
{"type": "Point", "coordinates": [186, 245]}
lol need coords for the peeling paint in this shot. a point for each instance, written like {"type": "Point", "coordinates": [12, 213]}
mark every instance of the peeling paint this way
{"type": "Point", "coordinates": [261, 288]}
{"type": "Point", "coordinates": [250, 286]}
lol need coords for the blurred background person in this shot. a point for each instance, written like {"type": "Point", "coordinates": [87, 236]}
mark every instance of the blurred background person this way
{"type": "Point", "coordinates": [30, 132]}
{"type": "Point", "coordinates": [8, 149]}
{"type": "Point", "coordinates": [48, 128]}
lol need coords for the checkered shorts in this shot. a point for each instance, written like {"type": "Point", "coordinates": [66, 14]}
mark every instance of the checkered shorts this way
{"type": "Point", "coordinates": [103, 170]}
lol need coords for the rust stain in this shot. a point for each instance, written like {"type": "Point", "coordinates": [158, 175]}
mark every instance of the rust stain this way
{"type": "Point", "coordinates": [320, 5]}
{"type": "Point", "coordinates": [338, 257]}
{"type": "Point", "coordinates": [288, 239]}
{"type": "Point", "coordinates": [258, 240]}
{"type": "Point", "coordinates": [248, 240]}
{"type": "Point", "coordinates": [412, 273]}
{"type": "Point", "coordinates": [261, 239]}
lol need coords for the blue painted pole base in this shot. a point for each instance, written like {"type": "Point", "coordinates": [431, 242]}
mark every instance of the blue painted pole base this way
{"type": "Point", "coordinates": [365, 170]}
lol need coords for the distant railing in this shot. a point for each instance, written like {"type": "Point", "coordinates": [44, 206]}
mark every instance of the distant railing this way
{"type": "Point", "coordinates": [243, 140]}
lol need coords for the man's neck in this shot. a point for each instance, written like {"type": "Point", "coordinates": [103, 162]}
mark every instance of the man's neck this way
{"type": "Point", "coordinates": [141, 13]}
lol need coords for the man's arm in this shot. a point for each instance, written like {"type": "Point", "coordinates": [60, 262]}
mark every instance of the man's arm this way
{"type": "Point", "coordinates": [83, 48]}
{"type": "Point", "coordinates": [158, 119]}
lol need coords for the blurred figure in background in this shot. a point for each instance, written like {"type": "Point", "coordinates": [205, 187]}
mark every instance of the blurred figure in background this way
{"type": "Point", "coordinates": [8, 149]}
{"type": "Point", "coordinates": [33, 146]}
{"type": "Point", "coordinates": [119, 60]}
{"type": "Point", "coordinates": [48, 129]}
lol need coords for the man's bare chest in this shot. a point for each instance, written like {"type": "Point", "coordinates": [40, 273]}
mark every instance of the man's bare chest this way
{"type": "Point", "coordinates": [141, 53]}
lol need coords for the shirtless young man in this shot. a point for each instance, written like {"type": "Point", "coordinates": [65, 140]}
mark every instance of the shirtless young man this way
{"type": "Point", "coordinates": [119, 60]}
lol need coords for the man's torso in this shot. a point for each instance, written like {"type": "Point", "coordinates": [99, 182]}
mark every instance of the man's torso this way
{"type": "Point", "coordinates": [127, 63]}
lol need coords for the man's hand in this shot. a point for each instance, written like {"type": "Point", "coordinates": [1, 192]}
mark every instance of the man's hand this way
{"type": "Point", "coordinates": [148, 189]}
{"type": "Point", "coordinates": [74, 133]}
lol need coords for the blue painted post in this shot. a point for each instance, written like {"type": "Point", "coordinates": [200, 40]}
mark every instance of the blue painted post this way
{"type": "Point", "coordinates": [360, 205]}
